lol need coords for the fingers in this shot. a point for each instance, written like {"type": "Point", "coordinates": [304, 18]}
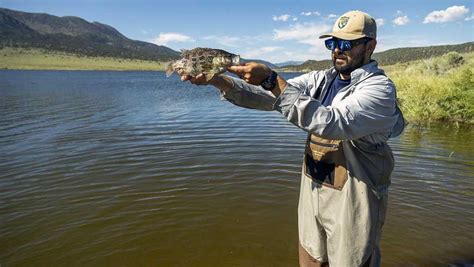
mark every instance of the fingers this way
{"type": "Point", "coordinates": [185, 77]}
{"type": "Point", "coordinates": [199, 79]}
{"type": "Point", "coordinates": [251, 72]}
{"type": "Point", "coordinates": [244, 71]}
{"type": "Point", "coordinates": [238, 70]}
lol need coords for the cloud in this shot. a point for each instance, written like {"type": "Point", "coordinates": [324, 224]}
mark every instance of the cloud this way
{"type": "Point", "coordinates": [380, 22]}
{"type": "Point", "coordinates": [449, 14]}
{"type": "Point", "coordinates": [165, 38]}
{"type": "Point", "coordinates": [315, 13]}
{"type": "Point", "coordinates": [400, 21]}
{"type": "Point", "coordinates": [469, 18]}
{"type": "Point", "coordinates": [283, 17]}
{"type": "Point", "coordinates": [332, 16]}
{"type": "Point", "coordinates": [224, 40]}
{"type": "Point", "coordinates": [267, 49]}
{"type": "Point", "coordinates": [260, 51]}
{"type": "Point", "coordinates": [304, 33]}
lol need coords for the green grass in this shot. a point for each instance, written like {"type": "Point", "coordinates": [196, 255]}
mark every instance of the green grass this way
{"type": "Point", "coordinates": [436, 89]}
{"type": "Point", "coordinates": [21, 58]}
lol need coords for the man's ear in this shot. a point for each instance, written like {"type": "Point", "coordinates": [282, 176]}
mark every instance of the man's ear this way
{"type": "Point", "coordinates": [371, 46]}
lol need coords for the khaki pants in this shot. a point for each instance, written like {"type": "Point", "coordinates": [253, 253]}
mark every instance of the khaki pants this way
{"type": "Point", "coordinates": [342, 227]}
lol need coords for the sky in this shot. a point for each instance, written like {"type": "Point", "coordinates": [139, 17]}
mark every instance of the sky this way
{"type": "Point", "coordinates": [276, 31]}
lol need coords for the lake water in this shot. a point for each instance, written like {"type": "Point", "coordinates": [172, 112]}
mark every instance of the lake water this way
{"type": "Point", "coordinates": [135, 169]}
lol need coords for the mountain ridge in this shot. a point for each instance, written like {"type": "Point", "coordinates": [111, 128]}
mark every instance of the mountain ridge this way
{"type": "Point", "coordinates": [74, 35]}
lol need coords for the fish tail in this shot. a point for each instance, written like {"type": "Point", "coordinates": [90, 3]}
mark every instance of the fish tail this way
{"type": "Point", "coordinates": [169, 68]}
{"type": "Point", "coordinates": [236, 60]}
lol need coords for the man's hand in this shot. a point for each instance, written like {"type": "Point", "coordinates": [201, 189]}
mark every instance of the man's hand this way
{"type": "Point", "coordinates": [222, 82]}
{"type": "Point", "coordinates": [200, 79]}
{"type": "Point", "coordinates": [252, 72]}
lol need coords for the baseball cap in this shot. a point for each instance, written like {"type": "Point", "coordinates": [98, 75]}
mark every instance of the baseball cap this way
{"type": "Point", "coordinates": [353, 25]}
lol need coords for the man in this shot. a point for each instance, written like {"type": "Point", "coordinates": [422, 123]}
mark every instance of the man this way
{"type": "Point", "coordinates": [350, 112]}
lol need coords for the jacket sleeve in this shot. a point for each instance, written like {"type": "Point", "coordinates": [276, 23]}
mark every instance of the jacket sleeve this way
{"type": "Point", "coordinates": [248, 96]}
{"type": "Point", "coordinates": [371, 108]}
{"type": "Point", "coordinates": [255, 97]}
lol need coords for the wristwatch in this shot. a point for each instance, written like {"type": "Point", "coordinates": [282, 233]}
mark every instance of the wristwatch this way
{"type": "Point", "coordinates": [270, 82]}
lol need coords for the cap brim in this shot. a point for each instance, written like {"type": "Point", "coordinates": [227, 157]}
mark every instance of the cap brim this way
{"type": "Point", "coordinates": [342, 35]}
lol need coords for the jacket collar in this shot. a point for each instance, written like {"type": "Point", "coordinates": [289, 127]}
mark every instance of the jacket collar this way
{"type": "Point", "coordinates": [358, 74]}
{"type": "Point", "coordinates": [366, 70]}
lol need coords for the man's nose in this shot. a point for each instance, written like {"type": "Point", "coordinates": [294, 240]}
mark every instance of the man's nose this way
{"type": "Point", "coordinates": [337, 51]}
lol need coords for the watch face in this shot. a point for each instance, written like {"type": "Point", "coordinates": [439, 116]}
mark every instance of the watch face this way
{"type": "Point", "coordinates": [266, 83]}
{"type": "Point", "coordinates": [270, 82]}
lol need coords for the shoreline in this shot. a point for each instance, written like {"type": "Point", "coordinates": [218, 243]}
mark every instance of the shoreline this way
{"type": "Point", "coordinates": [40, 59]}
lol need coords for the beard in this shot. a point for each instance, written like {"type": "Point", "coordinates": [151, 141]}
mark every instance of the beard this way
{"type": "Point", "coordinates": [347, 67]}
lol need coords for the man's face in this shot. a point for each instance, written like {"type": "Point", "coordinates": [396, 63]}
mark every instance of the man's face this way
{"type": "Point", "coordinates": [347, 61]}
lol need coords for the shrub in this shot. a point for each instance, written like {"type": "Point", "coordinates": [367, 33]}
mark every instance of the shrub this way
{"type": "Point", "coordinates": [437, 89]}
{"type": "Point", "coordinates": [454, 59]}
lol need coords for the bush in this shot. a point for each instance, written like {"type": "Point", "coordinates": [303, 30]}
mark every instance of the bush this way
{"type": "Point", "coordinates": [437, 89]}
{"type": "Point", "coordinates": [454, 59]}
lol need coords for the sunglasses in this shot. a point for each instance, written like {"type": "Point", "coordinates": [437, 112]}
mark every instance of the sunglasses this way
{"type": "Point", "coordinates": [344, 45]}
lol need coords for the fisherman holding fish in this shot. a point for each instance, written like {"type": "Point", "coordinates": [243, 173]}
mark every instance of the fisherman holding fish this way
{"type": "Point", "coordinates": [350, 112]}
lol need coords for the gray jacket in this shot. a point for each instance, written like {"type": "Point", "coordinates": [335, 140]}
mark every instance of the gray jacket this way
{"type": "Point", "coordinates": [364, 114]}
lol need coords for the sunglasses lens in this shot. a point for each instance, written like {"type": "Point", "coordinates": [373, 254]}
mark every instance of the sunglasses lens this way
{"type": "Point", "coordinates": [345, 45]}
{"type": "Point", "coordinates": [330, 44]}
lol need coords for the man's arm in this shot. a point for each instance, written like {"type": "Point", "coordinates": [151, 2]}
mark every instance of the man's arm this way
{"type": "Point", "coordinates": [242, 93]}
{"type": "Point", "coordinates": [237, 91]}
{"type": "Point", "coordinates": [370, 109]}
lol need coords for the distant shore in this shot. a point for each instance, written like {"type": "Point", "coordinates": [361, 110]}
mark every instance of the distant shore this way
{"type": "Point", "coordinates": [39, 59]}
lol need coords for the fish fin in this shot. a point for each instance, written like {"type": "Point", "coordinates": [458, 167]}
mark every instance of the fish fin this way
{"type": "Point", "coordinates": [169, 68]}
{"type": "Point", "coordinates": [236, 60]}
{"type": "Point", "coordinates": [209, 76]}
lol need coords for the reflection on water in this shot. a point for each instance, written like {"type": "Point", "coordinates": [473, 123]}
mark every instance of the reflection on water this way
{"type": "Point", "coordinates": [131, 168]}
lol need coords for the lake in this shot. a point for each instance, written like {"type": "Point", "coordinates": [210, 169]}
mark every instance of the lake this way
{"type": "Point", "coordinates": [135, 169]}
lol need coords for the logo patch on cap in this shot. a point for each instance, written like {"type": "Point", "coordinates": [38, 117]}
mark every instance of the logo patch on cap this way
{"type": "Point", "coordinates": [342, 22]}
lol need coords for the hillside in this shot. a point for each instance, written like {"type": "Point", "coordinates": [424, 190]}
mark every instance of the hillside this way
{"type": "Point", "coordinates": [269, 64]}
{"type": "Point", "coordinates": [392, 56]}
{"type": "Point", "coordinates": [289, 63]}
{"type": "Point", "coordinates": [74, 35]}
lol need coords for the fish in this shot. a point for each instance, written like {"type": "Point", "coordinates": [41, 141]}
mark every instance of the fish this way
{"type": "Point", "coordinates": [207, 61]}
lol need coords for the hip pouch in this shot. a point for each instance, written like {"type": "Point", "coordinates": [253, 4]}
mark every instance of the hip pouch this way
{"type": "Point", "coordinates": [324, 162]}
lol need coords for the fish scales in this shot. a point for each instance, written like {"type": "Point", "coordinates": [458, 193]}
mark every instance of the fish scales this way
{"type": "Point", "coordinates": [199, 60]}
